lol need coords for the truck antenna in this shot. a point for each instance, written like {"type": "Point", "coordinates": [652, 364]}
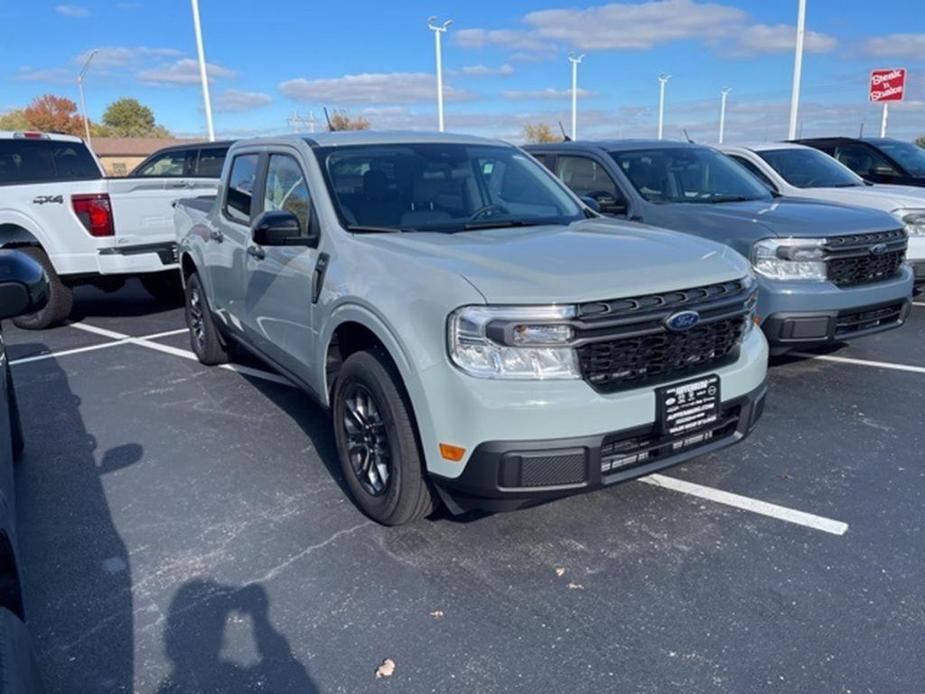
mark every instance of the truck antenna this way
{"type": "Point", "coordinates": [565, 138]}
{"type": "Point", "coordinates": [328, 119]}
{"type": "Point", "coordinates": [686, 136]}
{"type": "Point", "coordinates": [861, 132]}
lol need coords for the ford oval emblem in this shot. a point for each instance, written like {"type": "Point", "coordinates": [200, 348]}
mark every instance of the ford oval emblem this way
{"type": "Point", "coordinates": [681, 321]}
{"type": "Point", "coordinates": [879, 249]}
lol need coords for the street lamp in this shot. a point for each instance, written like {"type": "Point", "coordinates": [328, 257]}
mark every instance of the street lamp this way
{"type": "Point", "coordinates": [722, 113]}
{"type": "Point", "coordinates": [206, 101]}
{"type": "Point", "coordinates": [80, 87]}
{"type": "Point", "coordinates": [662, 81]}
{"type": "Point", "coordinates": [439, 29]}
{"type": "Point", "coordinates": [574, 59]}
{"type": "Point", "coordinates": [797, 70]}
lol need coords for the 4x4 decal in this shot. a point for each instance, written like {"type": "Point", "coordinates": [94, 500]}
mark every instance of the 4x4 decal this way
{"type": "Point", "coordinates": [45, 199]}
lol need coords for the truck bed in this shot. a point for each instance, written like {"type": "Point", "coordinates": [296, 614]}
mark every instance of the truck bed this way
{"type": "Point", "coordinates": [203, 203]}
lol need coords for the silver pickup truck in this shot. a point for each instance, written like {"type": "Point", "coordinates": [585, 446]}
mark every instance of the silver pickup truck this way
{"type": "Point", "coordinates": [480, 335]}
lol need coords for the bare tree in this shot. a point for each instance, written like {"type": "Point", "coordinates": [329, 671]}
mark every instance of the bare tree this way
{"type": "Point", "coordinates": [342, 120]}
{"type": "Point", "coordinates": [538, 133]}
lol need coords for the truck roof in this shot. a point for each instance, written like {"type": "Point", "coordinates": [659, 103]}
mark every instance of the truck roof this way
{"type": "Point", "coordinates": [761, 146]}
{"type": "Point", "coordinates": [620, 145]}
{"type": "Point", "coordinates": [370, 137]}
{"type": "Point", "coordinates": [35, 135]}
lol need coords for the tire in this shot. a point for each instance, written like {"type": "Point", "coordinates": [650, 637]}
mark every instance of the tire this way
{"type": "Point", "coordinates": [164, 286]}
{"type": "Point", "coordinates": [204, 336]}
{"type": "Point", "coordinates": [19, 672]}
{"type": "Point", "coordinates": [16, 437]}
{"type": "Point", "coordinates": [370, 394]}
{"type": "Point", "coordinates": [60, 297]}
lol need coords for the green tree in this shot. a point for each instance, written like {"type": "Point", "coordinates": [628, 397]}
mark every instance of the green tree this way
{"type": "Point", "coordinates": [538, 133]}
{"type": "Point", "coordinates": [920, 141]}
{"type": "Point", "coordinates": [14, 120]}
{"type": "Point", "coordinates": [128, 117]}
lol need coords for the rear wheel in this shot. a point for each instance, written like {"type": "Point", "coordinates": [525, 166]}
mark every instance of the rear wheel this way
{"type": "Point", "coordinates": [204, 336]}
{"type": "Point", "coordinates": [60, 296]}
{"type": "Point", "coordinates": [377, 441]}
{"type": "Point", "coordinates": [164, 286]}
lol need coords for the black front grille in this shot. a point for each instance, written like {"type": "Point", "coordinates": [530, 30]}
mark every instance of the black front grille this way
{"type": "Point", "coordinates": [851, 260]}
{"type": "Point", "coordinates": [624, 343]}
{"type": "Point", "coordinates": [847, 323]}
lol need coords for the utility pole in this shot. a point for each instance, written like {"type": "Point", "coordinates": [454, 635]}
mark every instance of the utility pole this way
{"type": "Point", "coordinates": [206, 101]}
{"type": "Point", "coordinates": [575, 59]}
{"type": "Point", "coordinates": [662, 81]}
{"type": "Point", "coordinates": [439, 29]}
{"type": "Point", "coordinates": [80, 87]}
{"type": "Point", "coordinates": [722, 113]}
{"type": "Point", "coordinates": [797, 70]}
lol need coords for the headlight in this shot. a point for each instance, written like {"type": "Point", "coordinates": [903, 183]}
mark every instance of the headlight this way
{"type": "Point", "coordinates": [913, 221]}
{"type": "Point", "coordinates": [530, 342]}
{"type": "Point", "coordinates": [790, 259]}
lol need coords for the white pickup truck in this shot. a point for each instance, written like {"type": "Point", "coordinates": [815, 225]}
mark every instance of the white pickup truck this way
{"type": "Point", "coordinates": [57, 206]}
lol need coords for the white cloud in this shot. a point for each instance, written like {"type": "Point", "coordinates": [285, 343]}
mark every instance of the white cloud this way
{"type": "Point", "coordinates": [122, 56]}
{"type": "Point", "coordinates": [482, 70]}
{"type": "Point", "coordinates": [183, 71]}
{"type": "Point", "coordinates": [369, 88]}
{"type": "Point", "coordinates": [56, 75]}
{"type": "Point", "coordinates": [764, 38]}
{"type": "Point", "coordinates": [897, 46]}
{"type": "Point", "coordinates": [72, 11]}
{"type": "Point", "coordinates": [548, 93]}
{"type": "Point", "coordinates": [235, 101]}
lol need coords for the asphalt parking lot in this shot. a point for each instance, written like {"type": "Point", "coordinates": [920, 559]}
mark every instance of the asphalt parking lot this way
{"type": "Point", "coordinates": [184, 529]}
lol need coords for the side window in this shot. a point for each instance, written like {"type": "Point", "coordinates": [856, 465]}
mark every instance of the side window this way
{"type": "Point", "coordinates": [864, 160]}
{"type": "Point", "coordinates": [211, 162]}
{"type": "Point", "coordinates": [241, 188]}
{"type": "Point", "coordinates": [754, 171]}
{"type": "Point", "coordinates": [286, 188]}
{"type": "Point", "coordinates": [172, 163]}
{"type": "Point", "coordinates": [588, 178]}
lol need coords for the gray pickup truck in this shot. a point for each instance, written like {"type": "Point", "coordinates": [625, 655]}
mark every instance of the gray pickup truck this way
{"type": "Point", "coordinates": [480, 336]}
{"type": "Point", "coordinates": [827, 272]}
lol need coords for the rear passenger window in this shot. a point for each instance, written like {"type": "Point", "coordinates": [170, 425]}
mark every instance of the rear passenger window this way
{"type": "Point", "coordinates": [211, 162]}
{"type": "Point", "coordinates": [241, 188]}
{"type": "Point", "coordinates": [286, 188]}
{"type": "Point", "coordinates": [23, 160]}
{"type": "Point", "coordinates": [754, 171]}
{"type": "Point", "coordinates": [173, 163]}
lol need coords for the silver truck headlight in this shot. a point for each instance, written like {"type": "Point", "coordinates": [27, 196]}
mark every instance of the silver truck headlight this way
{"type": "Point", "coordinates": [789, 259]}
{"type": "Point", "coordinates": [513, 342]}
{"type": "Point", "coordinates": [913, 221]}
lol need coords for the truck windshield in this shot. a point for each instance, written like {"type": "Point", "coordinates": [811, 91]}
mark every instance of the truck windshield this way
{"type": "Point", "coordinates": [810, 168]}
{"type": "Point", "coordinates": [911, 157]}
{"type": "Point", "coordinates": [25, 161]}
{"type": "Point", "coordinates": [688, 174]}
{"type": "Point", "coordinates": [446, 187]}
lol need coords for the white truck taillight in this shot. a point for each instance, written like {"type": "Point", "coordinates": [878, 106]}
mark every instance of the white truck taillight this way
{"type": "Point", "coordinates": [95, 213]}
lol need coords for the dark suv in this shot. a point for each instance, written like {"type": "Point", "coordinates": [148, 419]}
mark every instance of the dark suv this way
{"type": "Point", "coordinates": [876, 159]}
{"type": "Point", "coordinates": [195, 160]}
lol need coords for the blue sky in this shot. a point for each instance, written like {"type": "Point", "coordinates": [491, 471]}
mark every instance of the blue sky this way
{"type": "Point", "coordinates": [505, 62]}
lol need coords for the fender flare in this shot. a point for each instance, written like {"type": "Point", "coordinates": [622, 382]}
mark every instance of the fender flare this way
{"type": "Point", "coordinates": [19, 228]}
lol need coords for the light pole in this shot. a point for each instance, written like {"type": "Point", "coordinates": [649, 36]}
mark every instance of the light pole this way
{"type": "Point", "coordinates": [797, 70]}
{"type": "Point", "coordinates": [439, 29]}
{"type": "Point", "coordinates": [884, 118]}
{"type": "Point", "coordinates": [662, 81]}
{"type": "Point", "coordinates": [722, 113]}
{"type": "Point", "coordinates": [206, 101]}
{"type": "Point", "coordinates": [574, 59]}
{"type": "Point", "coordinates": [80, 87]}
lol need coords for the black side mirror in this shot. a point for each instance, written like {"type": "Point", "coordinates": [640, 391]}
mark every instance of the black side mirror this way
{"type": "Point", "coordinates": [883, 171]}
{"type": "Point", "coordinates": [607, 203]}
{"type": "Point", "coordinates": [591, 202]}
{"type": "Point", "coordinates": [281, 228]}
{"type": "Point", "coordinates": [23, 285]}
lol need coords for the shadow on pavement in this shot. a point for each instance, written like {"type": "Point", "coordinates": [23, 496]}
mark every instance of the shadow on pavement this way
{"type": "Point", "coordinates": [129, 301]}
{"type": "Point", "coordinates": [200, 614]}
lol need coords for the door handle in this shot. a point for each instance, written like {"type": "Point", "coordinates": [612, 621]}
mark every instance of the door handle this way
{"type": "Point", "coordinates": [177, 184]}
{"type": "Point", "coordinates": [216, 235]}
{"type": "Point", "coordinates": [256, 252]}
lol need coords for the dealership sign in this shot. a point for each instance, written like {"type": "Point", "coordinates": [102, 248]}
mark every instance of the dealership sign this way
{"type": "Point", "coordinates": [888, 85]}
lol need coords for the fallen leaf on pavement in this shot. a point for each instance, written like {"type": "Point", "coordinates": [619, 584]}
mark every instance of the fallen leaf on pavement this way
{"type": "Point", "coordinates": [575, 586]}
{"type": "Point", "coordinates": [437, 614]}
{"type": "Point", "coordinates": [386, 669]}
{"type": "Point", "coordinates": [560, 571]}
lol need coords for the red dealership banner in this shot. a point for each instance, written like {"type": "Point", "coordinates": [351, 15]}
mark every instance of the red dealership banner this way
{"type": "Point", "coordinates": [888, 84]}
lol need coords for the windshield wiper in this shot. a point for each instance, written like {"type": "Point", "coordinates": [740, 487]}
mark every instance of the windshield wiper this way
{"type": "Point", "coordinates": [361, 229]}
{"type": "Point", "coordinates": [500, 224]}
{"type": "Point", "coordinates": [729, 198]}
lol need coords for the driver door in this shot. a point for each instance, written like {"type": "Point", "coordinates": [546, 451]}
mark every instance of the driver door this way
{"type": "Point", "coordinates": [277, 306]}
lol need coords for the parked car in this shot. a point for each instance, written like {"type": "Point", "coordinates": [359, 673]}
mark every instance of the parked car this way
{"type": "Point", "coordinates": [188, 161]}
{"type": "Point", "coordinates": [827, 272]}
{"type": "Point", "coordinates": [798, 171]}
{"type": "Point", "coordinates": [83, 228]}
{"type": "Point", "coordinates": [875, 159]}
{"type": "Point", "coordinates": [479, 335]}
{"type": "Point", "coordinates": [23, 289]}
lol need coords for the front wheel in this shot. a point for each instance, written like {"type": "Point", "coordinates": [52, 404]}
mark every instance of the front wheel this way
{"type": "Point", "coordinates": [377, 441]}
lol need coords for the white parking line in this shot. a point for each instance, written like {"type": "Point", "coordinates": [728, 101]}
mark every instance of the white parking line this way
{"type": "Point", "coordinates": [808, 520]}
{"type": "Point", "coordinates": [145, 341]}
{"type": "Point", "coordinates": [862, 362]}
{"type": "Point", "coordinates": [91, 348]}
{"type": "Point", "coordinates": [918, 303]}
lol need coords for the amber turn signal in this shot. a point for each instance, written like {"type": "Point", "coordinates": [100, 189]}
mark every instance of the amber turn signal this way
{"type": "Point", "coordinates": [452, 453]}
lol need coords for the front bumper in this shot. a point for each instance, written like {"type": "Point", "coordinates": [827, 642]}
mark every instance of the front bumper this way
{"type": "Point", "coordinates": [507, 475]}
{"type": "Point", "coordinates": [803, 314]}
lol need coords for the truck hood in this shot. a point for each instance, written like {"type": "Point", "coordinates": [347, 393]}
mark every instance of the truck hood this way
{"type": "Point", "coordinates": [585, 261]}
{"type": "Point", "coordinates": [788, 217]}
